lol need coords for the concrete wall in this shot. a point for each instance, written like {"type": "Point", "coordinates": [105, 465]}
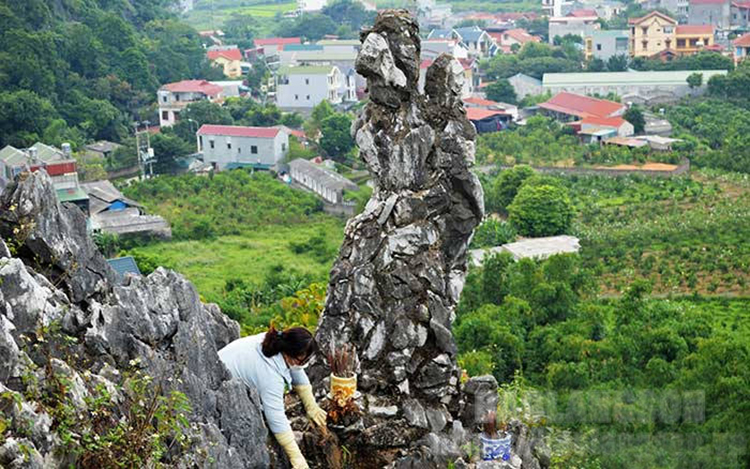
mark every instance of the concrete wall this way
{"type": "Point", "coordinates": [683, 168]}
{"type": "Point", "coordinates": [571, 26]}
{"type": "Point", "coordinates": [646, 93]}
{"type": "Point", "coordinates": [605, 45]}
{"type": "Point", "coordinates": [268, 151]}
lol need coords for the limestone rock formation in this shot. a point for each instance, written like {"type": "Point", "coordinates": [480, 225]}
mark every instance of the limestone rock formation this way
{"type": "Point", "coordinates": [401, 268]}
{"type": "Point", "coordinates": [52, 276]}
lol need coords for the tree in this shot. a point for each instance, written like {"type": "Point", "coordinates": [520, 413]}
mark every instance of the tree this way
{"type": "Point", "coordinates": [311, 26]}
{"type": "Point", "coordinates": [23, 117]}
{"type": "Point", "coordinates": [695, 80]}
{"type": "Point", "coordinates": [617, 63]}
{"type": "Point", "coordinates": [199, 113]}
{"type": "Point", "coordinates": [502, 91]}
{"type": "Point", "coordinates": [336, 139]}
{"type": "Point", "coordinates": [167, 149]}
{"type": "Point", "coordinates": [349, 13]}
{"type": "Point", "coordinates": [595, 65]}
{"type": "Point", "coordinates": [635, 117]}
{"type": "Point", "coordinates": [505, 187]}
{"type": "Point", "coordinates": [541, 210]}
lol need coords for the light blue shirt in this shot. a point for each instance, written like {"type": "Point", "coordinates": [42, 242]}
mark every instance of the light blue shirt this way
{"type": "Point", "coordinates": [269, 375]}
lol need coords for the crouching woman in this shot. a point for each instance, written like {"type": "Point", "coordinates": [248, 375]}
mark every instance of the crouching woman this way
{"type": "Point", "coordinates": [269, 362]}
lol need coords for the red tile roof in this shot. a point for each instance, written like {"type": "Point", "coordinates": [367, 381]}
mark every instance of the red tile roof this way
{"type": "Point", "coordinates": [237, 131]}
{"type": "Point", "coordinates": [694, 29]}
{"type": "Point", "coordinates": [653, 13]}
{"type": "Point", "coordinates": [582, 13]}
{"type": "Point", "coordinates": [277, 41]}
{"type": "Point", "coordinates": [742, 41]}
{"type": "Point", "coordinates": [743, 5]}
{"type": "Point", "coordinates": [480, 101]}
{"type": "Point", "coordinates": [581, 106]}
{"type": "Point", "coordinates": [477, 114]}
{"type": "Point", "coordinates": [519, 34]}
{"type": "Point", "coordinates": [615, 122]}
{"type": "Point", "coordinates": [714, 47]}
{"type": "Point", "coordinates": [194, 86]}
{"type": "Point", "coordinates": [231, 54]}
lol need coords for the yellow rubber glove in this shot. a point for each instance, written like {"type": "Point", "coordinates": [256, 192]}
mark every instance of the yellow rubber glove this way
{"type": "Point", "coordinates": [287, 441]}
{"type": "Point", "coordinates": [314, 412]}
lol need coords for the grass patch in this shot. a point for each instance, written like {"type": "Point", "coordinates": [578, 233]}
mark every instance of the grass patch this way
{"type": "Point", "coordinates": [203, 18]}
{"type": "Point", "coordinates": [249, 257]}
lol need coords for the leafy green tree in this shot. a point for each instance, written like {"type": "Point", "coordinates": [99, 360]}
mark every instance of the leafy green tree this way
{"type": "Point", "coordinates": [595, 65]}
{"type": "Point", "coordinates": [199, 113]}
{"type": "Point", "coordinates": [634, 115]}
{"type": "Point", "coordinates": [319, 113]}
{"type": "Point", "coordinates": [24, 116]}
{"type": "Point", "coordinates": [350, 13]}
{"type": "Point", "coordinates": [312, 26]}
{"type": "Point", "coordinates": [492, 232]}
{"type": "Point", "coordinates": [167, 149]}
{"type": "Point", "coordinates": [506, 186]}
{"type": "Point", "coordinates": [695, 80]}
{"type": "Point", "coordinates": [541, 210]}
{"type": "Point", "coordinates": [336, 139]}
{"type": "Point", "coordinates": [501, 91]}
{"type": "Point", "coordinates": [617, 63]}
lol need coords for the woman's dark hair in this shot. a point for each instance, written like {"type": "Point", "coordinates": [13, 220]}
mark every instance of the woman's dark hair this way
{"type": "Point", "coordinates": [297, 342]}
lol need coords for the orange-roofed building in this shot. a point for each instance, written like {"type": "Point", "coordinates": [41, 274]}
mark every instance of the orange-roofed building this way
{"type": "Point", "coordinates": [506, 39]}
{"type": "Point", "coordinates": [488, 120]}
{"type": "Point", "coordinates": [690, 38]}
{"type": "Point", "coordinates": [741, 48]}
{"type": "Point", "coordinates": [174, 97]}
{"type": "Point", "coordinates": [569, 106]}
{"type": "Point", "coordinates": [229, 60]}
{"type": "Point", "coordinates": [272, 45]}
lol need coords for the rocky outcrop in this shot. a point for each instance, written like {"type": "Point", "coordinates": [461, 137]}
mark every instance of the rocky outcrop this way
{"type": "Point", "coordinates": [401, 268]}
{"type": "Point", "coordinates": [56, 287]}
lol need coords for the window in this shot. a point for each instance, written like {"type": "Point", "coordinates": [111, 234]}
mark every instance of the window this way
{"type": "Point", "coordinates": [229, 145]}
{"type": "Point", "coordinates": [668, 30]}
{"type": "Point", "coordinates": [598, 47]}
{"type": "Point", "coordinates": [644, 30]}
{"type": "Point", "coordinates": [164, 98]}
{"type": "Point", "coordinates": [177, 97]}
{"type": "Point", "coordinates": [645, 45]}
{"type": "Point", "coordinates": [164, 115]}
{"type": "Point", "coordinates": [308, 97]}
{"type": "Point", "coordinates": [296, 97]}
{"type": "Point", "coordinates": [680, 43]}
{"type": "Point", "coordinates": [200, 138]}
{"type": "Point", "coordinates": [239, 150]}
{"type": "Point", "coordinates": [283, 147]}
{"type": "Point", "coordinates": [211, 143]}
{"type": "Point", "coordinates": [307, 81]}
{"type": "Point", "coordinates": [253, 149]}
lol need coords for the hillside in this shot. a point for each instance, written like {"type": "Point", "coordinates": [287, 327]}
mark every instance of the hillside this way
{"type": "Point", "coordinates": [72, 71]}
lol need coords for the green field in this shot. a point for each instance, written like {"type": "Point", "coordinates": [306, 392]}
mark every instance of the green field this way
{"type": "Point", "coordinates": [204, 18]}
{"type": "Point", "coordinates": [249, 257]}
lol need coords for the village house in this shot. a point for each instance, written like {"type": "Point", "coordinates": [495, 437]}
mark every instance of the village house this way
{"type": "Point", "coordinates": [567, 107]}
{"type": "Point", "coordinates": [715, 13]}
{"type": "Point", "coordinates": [228, 58]}
{"type": "Point", "coordinates": [651, 34]}
{"type": "Point", "coordinates": [583, 26]}
{"type": "Point", "coordinates": [476, 41]}
{"type": "Point", "coordinates": [488, 120]}
{"type": "Point", "coordinates": [593, 129]}
{"type": "Point", "coordinates": [330, 186]}
{"type": "Point", "coordinates": [740, 19]}
{"type": "Point", "coordinates": [482, 103]}
{"type": "Point", "coordinates": [432, 48]}
{"type": "Point", "coordinates": [229, 146]}
{"type": "Point", "coordinates": [101, 150]}
{"type": "Point", "coordinates": [304, 87]}
{"type": "Point", "coordinates": [691, 38]}
{"type": "Point", "coordinates": [741, 48]}
{"type": "Point", "coordinates": [505, 40]}
{"type": "Point", "coordinates": [111, 212]}
{"type": "Point", "coordinates": [533, 248]}
{"type": "Point", "coordinates": [604, 44]}
{"type": "Point", "coordinates": [174, 97]}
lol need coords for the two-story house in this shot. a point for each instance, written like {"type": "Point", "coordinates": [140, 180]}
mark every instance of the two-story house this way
{"type": "Point", "coordinates": [605, 44]}
{"type": "Point", "coordinates": [230, 146]}
{"type": "Point", "coordinates": [174, 97]}
{"type": "Point", "coordinates": [228, 58]}
{"type": "Point", "coordinates": [710, 12]}
{"type": "Point", "coordinates": [505, 40]}
{"type": "Point", "coordinates": [651, 34]}
{"type": "Point", "coordinates": [476, 40]}
{"type": "Point", "coordinates": [304, 87]}
{"type": "Point", "coordinates": [691, 38]}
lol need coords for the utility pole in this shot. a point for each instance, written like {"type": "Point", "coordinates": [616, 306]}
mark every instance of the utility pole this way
{"type": "Point", "coordinates": [145, 154]}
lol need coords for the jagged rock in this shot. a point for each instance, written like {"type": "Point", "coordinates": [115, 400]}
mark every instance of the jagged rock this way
{"type": "Point", "coordinates": [156, 324]}
{"type": "Point", "coordinates": [52, 237]}
{"type": "Point", "coordinates": [392, 290]}
{"type": "Point", "coordinates": [480, 396]}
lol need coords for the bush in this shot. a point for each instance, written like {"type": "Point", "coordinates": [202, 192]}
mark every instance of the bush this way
{"type": "Point", "coordinates": [506, 186]}
{"type": "Point", "coordinates": [541, 210]}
